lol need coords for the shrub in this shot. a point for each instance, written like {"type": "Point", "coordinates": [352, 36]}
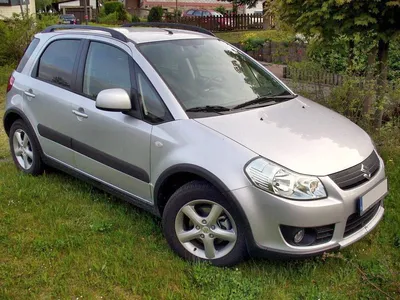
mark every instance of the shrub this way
{"type": "Point", "coordinates": [155, 14]}
{"type": "Point", "coordinates": [221, 9]}
{"type": "Point", "coordinates": [15, 35]}
{"type": "Point", "coordinates": [109, 19]}
{"type": "Point", "coordinates": [112, 6]}
{"type": "Point", "coordinates": [135, 18]}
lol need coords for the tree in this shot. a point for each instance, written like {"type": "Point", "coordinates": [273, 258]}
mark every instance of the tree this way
{"type": "Point", "coordinates": [43, 4]}
{"type": "Point", "coordinates": [330, 18]}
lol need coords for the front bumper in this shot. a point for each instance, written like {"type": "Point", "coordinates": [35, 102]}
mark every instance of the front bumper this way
{"type": "Point", "coordinates": [265, 214]}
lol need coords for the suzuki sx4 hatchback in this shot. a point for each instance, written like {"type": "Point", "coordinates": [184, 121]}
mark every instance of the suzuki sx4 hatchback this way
{"type": "Point", "coordinates": [195, 131]}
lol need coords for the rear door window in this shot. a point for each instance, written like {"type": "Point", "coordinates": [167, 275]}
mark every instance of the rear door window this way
{"type": "Point", "coordinates": [197, 13]}
{"type": "Point", "coordinates": [57, 62]}
{"type": "Point", "coordinates": [28, 52]}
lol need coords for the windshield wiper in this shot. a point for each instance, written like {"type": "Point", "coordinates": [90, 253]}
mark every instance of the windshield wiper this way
{"type": "Point", "coordinates": [265, 99]}
{"type": "Point", "coordinates": [208, 108]}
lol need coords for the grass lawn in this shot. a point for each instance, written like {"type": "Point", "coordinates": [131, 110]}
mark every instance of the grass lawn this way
{"type": "Point", "coordinates": [61, 238]}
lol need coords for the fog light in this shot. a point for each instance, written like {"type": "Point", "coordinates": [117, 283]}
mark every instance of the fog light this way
{"type": "Point", "coordinates": [298, 237]}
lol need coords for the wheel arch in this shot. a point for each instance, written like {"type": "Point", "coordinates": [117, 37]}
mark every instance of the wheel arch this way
{"type": "Point", "coordinates": [174, 177]}
{"type": "Point", "coordinates": [14, 114]}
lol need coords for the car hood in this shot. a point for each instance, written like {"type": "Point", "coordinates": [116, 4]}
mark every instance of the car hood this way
{"type": "Point", "coordinates": [299, 134]}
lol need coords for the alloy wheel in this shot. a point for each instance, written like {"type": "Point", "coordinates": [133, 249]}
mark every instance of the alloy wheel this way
{"type": "Point", "coordinates": [23, 149]}
{"type": "Point", "coordinates": [205, 229]}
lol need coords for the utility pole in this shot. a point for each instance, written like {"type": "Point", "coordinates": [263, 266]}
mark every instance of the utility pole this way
{"type": "Point", "coordinates": [86, 12]}
{"type": "Point", "coordinates": [176, 11]}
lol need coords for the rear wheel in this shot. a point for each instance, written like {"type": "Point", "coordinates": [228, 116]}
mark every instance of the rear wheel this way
{"type": "Point", "coordinates": [24, 149]}
{"type": "Point", "coordinates": [200, 224]}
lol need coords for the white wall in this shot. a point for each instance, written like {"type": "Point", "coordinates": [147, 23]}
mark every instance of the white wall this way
{"type": "Point", "coordinates": [7, 11]}
{"type": "Point", "coordinates": [75, 3]}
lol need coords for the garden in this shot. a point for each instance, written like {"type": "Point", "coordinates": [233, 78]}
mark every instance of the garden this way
{"type": "Point", "coordinates": [62, 238]}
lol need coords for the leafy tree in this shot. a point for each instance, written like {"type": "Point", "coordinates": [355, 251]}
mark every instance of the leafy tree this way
{"type": "Point", "coordinates": [43, 4]}
{"type": "Point", "coordinates": [326, 20]}
{"type": "Point", "coordinates": [155, 14]}
{"type": "Point", "coordinates": [221, 9]}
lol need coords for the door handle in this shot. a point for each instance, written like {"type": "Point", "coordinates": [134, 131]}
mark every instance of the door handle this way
{"type": "Point", "coordinates": [79, 114]}
{"type": "Point", "coordinates": [29, 94]}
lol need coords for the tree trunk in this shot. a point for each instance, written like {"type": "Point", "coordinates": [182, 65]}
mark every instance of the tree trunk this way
{"type": "Point", "coordinates": [351, 57]}
{"type": "Point", "coordinates": [265, 16]}
{"type": "Point", "coordinates": [383, 55]}
{"type": "Point", "coordinates": [369, 99]}
{"type": "Point", "coordinates": [22, 8]}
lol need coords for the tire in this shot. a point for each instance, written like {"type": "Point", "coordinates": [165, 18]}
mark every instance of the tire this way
{"type": "Point", "coordinates": [217, 237]}
{"type": "Point", "coordinates": [25, 149]}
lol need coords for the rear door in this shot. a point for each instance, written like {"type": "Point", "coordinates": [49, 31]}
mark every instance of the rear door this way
{"type": "Point", "coordinates": [48, 93]}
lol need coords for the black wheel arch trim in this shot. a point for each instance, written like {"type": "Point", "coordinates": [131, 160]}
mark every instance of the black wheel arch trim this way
{"type": "Point", "coordinates": [216, 182]}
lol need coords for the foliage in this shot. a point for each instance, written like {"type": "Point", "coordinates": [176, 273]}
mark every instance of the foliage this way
{"type": "Point", "coordinates": [221, 9]}
{"type": "Point", "coordinates": [113, 12]}
{"type": "Point", "coordinates": [241, 36]}
{"type": "Point", "coordinates": [112, 6]}
{"type": "Point", "coordinates": [16, 33]}
{"type": "Point", "coordinates": [42, 4]}
{"type": "Point", "coordinates": [252, 42]}
{"type": "Point", "coordinates": [135, 18]}
{"type": "Point", "coordinates": [155, 14]}
{"type": "Point", "coordinates": [348, 97]}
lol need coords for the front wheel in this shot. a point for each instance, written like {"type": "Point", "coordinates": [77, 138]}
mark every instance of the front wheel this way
{"type": "Point", "coordinates": [200, 224]}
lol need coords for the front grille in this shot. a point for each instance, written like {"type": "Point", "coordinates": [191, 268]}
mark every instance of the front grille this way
{"type": "Point", "coordinates": [324, 234]}
{"type": "Point", "coordinates": [355, 222]}
{"type": "Point", "coordinates": [354, 176]}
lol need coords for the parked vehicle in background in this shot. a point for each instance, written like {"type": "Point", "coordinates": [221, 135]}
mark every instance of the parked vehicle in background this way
{"type": "Point", "coordinates": [67, 19]}
{"type": "Point", "coordinates": [223, 22]}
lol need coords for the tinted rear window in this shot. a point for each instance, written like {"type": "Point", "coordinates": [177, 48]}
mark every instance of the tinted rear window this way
{"type": "Point", "coordinates": [28, 52]}
{"type": "Point", "coordinates": [57, 62]}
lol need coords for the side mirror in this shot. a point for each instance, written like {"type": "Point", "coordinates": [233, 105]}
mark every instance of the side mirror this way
{"type": "Point", "coordinates": [113, 100]}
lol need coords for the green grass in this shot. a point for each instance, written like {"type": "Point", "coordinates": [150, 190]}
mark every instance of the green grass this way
{"type": "Point", "coordinates": [61, 238]}
{"type": "Point", "coordinates": [238, 36]}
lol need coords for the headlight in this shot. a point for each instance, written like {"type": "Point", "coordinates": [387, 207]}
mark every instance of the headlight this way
{"type": "Point", "coordinates": [279, 181]}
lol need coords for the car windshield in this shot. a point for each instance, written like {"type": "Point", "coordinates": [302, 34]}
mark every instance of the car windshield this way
{"type": "Point", "coordinates": [217, 14]}
{"type": "Point", "coordinates": [210, 72]}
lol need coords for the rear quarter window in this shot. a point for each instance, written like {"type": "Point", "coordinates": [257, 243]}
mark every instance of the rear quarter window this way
{"type": "Point", "coordinates": [28, 52]}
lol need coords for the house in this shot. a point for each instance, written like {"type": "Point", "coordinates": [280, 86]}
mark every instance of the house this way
{"type": "Point", "coordinates": [75, 3]}
{"type": "Point", "coordinates": [170, 5]}
{"type": "Point", "coordinates": [8, 7]}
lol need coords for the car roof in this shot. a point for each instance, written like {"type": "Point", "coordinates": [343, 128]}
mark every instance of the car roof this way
{"type": "Point", "coordinates": [141, 34]}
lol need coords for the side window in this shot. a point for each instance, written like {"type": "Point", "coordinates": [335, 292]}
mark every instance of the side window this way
{"type": "Point", "coordinates": [206, 14]}
{"type": "Point", "coordinates": [154, 110]}
{"type": "Point", "coordinates": [57, 62]}
{"type": "Point", "coordinates": [28, 52]}
{"type": "Point", "coordinates": [189, 12]}
{"type": "Point", "coordinates": [197, 13]}
{"type": "Point", "coordinates": [106, 67]}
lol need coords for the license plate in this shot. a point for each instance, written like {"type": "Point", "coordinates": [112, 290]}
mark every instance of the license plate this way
{"type": "Point", "coordinates": [371, 197]}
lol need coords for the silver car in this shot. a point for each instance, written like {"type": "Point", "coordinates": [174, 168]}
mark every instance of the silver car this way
{"type": "Point", "coordinates": [197, 132]}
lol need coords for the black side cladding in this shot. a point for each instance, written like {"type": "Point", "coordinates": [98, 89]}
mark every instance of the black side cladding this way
{"type": "Point", "coordinates": [93, 153]}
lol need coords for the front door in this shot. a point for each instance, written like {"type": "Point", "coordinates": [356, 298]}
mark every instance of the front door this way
{"type": "Point", "coordinates": [112, 147]}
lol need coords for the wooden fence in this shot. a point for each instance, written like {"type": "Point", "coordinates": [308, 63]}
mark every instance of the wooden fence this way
{"type": "Point", "coordinates": [276, 52]}
{"type": "Point", "coordinates": [316, 76]}
{"type": "Point", "coordinates": [227, 22]}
